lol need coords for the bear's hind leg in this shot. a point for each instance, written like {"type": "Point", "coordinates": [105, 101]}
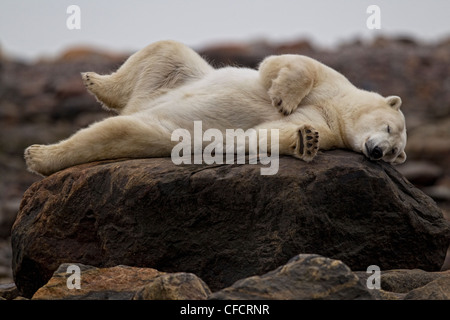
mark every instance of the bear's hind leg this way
{"type": "Point", "coordinates": [107, 91]}
{"type": "Point", "coordinates": [297, 140]}
{"type": "Point", "coordinates": [113, 138]}
{"type": "Point", "coordinates": [307, 143]}
{"type": "Point", "coordinates": [145, 75]}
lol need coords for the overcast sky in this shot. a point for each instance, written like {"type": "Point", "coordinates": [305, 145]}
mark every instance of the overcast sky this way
{"type": "Point", "coordinates": [31, 28]}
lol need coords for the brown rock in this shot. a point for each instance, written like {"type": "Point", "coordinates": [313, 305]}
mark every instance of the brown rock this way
{"type": "Point", "coordinates": [88, 54]}
{"type": "Point", "coordinates": [241, 54]}
{"type": "Point", "coordinates": [174, 286]}
{"type": "Point", "coordinates": [225, 222]}
{"type": "Point", "coordinates": [403, 281]}
{"type": "Point", "coordinates": [438, 193]}
{"type": "Point", "coordinates": [446, 264]}
{"type": "Point", "coordinates": [70, 87]}
{"type": "Point", "coordinates": [431, 141]}
{"type": "Point", "coordinates": [421, 173]}
{"type": "Point", "coordinates": [121, 282]}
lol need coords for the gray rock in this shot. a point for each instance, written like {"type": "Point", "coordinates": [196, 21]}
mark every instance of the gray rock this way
{"type": "Point", "coordinates": [414, 284]}
{"type": "Point", "coordinates": [304, 277]}
{"type": "Point", "coordinates": [403, 281]}
{"type": "Point", "coordinates": [8, 291]}
{"type": "Point", "coordinates": [438, 289]}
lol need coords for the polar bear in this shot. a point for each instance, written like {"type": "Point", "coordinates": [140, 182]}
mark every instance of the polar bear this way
{"type": "Point", "coordinates": [167, 86]}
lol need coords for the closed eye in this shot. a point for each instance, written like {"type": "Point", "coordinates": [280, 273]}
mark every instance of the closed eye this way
{"type": "Point", "coordinates": [388, 129]}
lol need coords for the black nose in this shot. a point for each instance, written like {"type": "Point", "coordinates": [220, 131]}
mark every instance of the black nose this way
{"type": "Point", "coordinates": [376, 153]}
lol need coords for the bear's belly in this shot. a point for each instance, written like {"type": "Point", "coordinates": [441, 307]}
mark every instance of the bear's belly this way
{"type": "Point", "coordinates": [228, 98]}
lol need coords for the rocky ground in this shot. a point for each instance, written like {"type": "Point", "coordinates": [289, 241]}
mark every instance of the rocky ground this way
{"type": "Point", "coordinates": [224, 223]}
{"type": "Point", "coordinates": [46, 101]}
{"type": "Point", "coordinates": [305, 276]}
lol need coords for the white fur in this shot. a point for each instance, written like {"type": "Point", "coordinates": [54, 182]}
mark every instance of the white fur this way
{"type": "Point", "coordinates": [167, 86]}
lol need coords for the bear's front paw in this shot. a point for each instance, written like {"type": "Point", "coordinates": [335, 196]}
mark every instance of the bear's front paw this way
{"type": "Point", "coordinates": [285, 103]}
{"type": "Point", "coordinates": [35, 158]}
{"type": "Point", "coordinates": [307, 143]}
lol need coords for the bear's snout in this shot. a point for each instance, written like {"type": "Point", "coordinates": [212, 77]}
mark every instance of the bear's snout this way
{"type": "Point", "coordinates": [375, 153]}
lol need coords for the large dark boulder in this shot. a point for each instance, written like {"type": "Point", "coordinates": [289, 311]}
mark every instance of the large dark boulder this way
{"type": "Point", "coordinates": [225, 222]}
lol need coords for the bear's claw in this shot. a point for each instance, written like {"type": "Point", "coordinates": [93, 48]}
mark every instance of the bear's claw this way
{"type": "Point", "coordinates": [285, 107]}
{"type": "Point", "coordinates": [88, 82]}
{"type": "Point", "coordinates": [35, 158]}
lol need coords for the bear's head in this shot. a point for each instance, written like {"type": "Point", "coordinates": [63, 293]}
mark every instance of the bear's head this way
{"type": "Point", "coordinates": [379, 130]}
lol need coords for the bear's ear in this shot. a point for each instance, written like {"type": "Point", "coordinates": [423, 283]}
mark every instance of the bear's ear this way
{"type": "Point", "coordinates": [401, 158]}
{"type": "Point", "coordinates": [394, 101]}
